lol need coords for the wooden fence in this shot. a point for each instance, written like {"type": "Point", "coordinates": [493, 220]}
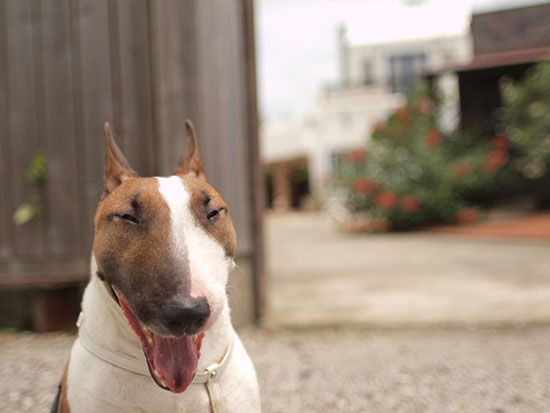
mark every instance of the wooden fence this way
{"type": "Point", "coordinates": [67, 66]}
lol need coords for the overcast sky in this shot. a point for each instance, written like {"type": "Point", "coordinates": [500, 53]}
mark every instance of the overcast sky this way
{"type": "Point", "coordinates": [297, 39]}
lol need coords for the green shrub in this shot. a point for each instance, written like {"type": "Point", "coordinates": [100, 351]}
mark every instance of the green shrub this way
{"type": "Point", "coordinates": [526, 119]}
{"type": "Point", "coordinates": [411, 174]}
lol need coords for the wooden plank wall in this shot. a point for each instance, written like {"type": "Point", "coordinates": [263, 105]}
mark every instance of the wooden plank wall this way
{"type": "Point", "coordinates": [526, 28]}
{"type": "Point", "coordinates": [66, 66]}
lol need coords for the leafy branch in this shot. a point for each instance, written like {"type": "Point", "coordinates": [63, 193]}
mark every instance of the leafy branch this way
{"type": "Point", "coordinates": [36, 178]}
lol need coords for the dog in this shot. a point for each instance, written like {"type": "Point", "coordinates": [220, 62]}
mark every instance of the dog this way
{"type": "Point", "coordinates": [155, 333]}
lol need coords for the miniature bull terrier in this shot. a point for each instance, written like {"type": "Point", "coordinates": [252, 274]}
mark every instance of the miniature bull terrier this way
{"type": "Point", "coordinates": [155, 333]}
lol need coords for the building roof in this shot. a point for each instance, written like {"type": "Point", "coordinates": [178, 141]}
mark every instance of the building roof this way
{"type": "Point", "coordinates": [492, 60]}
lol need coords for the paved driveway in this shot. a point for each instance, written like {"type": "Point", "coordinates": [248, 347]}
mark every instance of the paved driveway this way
{"type": "Point", "coordinates": [320, 276]}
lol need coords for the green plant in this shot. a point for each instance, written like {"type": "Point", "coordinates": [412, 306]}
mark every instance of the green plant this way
{"type": "Point", "coordinates": [36, 178]}
{"type": "Point", "coordinates": [526, 120]}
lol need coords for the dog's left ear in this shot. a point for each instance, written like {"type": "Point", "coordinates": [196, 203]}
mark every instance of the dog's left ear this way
{"type": "Point", "coordinates": [190, 161]}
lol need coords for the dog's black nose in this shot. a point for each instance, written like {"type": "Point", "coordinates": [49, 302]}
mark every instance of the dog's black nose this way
{"type": "Point", "coordinates": [186, 317]}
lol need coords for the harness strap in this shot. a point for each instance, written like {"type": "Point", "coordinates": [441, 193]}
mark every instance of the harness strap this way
{"type": "Point", "coordinates": [211, 378]}
{"type": "Point", "coordinates": [215, 396]}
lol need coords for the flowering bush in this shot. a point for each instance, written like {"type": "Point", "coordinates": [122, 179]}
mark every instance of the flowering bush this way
{"type": "Point", "coordinates": [413, 174]}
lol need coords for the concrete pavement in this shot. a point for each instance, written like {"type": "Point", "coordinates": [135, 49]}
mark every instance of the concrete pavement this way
{"type": "Point", "coordinates": [319, 276]}
{"type": "Point", "coordinates": [341, 370]}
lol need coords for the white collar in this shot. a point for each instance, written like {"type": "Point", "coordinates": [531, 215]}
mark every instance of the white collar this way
{"type": "Point", "coordinates": [135, 365]}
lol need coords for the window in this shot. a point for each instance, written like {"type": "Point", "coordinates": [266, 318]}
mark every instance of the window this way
{"type": "Point", "coordinates": [405, 71]}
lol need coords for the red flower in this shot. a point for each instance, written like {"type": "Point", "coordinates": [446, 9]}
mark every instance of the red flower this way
{"type": "Point", "coordinates": [387, 200]}
{"type": "Point", "coordinates": [364, 186]}
{"type": "Point", "coordinates": [466, 215]}
{"type": "Point", "coordinates": [410, 203]}
{"type": "Point", "coordinates": [433, 138]}
{"type": "Point", "coordinates": [494, 160]}
{"type": "Point", "coordinates": [357, 155]}
{"type": "Point", "coordinates": [462, 169]}
{"type": "Point", "coordinates": [501, 142]}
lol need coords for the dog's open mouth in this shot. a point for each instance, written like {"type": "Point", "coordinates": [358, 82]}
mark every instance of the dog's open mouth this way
{"type": "Point", "coordinates": [172, 361]}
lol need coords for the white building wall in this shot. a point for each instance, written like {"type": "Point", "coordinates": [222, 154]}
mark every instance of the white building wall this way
{"type": "Point", "coordinates": [438, 51]}
{"type": "Point", "coordinates": [343, 117]}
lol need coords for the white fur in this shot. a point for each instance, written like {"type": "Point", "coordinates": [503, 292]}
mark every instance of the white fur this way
{"type": "Point", "coordinates": [208, 263]}
{"type": "Point", "coordinates": [97, 386]}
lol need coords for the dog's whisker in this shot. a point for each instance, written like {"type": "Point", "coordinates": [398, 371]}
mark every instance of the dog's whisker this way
{"type": "Point", "coordinates": [231, 300]}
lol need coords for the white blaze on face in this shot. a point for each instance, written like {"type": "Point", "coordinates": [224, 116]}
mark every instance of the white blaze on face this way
{"type": "Point", "coordinates": [206, 258]}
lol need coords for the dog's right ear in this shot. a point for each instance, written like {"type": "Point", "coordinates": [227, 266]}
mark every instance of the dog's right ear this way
{"type": "Point", "coordinates": [190, 161]}
{"type": "Point", "coordinates": [117, 169]}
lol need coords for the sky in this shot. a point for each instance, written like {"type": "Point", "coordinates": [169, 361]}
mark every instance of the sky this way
{"type": "Point", "coordinates": [296, 40]}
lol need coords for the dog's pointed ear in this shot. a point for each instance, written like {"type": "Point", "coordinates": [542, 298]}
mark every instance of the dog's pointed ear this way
{"type": "Point", "coordinates": [117, 169]}
{"type": "Point", "coordinates": [190, 161]}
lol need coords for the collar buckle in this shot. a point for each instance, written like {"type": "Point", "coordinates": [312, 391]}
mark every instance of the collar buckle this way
{"type": "Point", "coordinates": [212, 373]}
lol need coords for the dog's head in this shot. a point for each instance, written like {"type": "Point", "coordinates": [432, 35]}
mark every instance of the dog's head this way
{"type": "Point", "coordinates": [165, 246]}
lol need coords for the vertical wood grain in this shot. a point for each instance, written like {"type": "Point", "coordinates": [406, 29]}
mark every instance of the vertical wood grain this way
{"type": "Point", "coordinates": [173, 53]}
{"type": "Point", "coordinates": [96, 103]}
{"type": "Point", "coordinates": [6, 227]}
{"type": "Point", "coordinates": [22, 126]}
{"type": "Point", "coordinates": [134, 85]}
{"type": "Point", "coordinates": [62, 212]}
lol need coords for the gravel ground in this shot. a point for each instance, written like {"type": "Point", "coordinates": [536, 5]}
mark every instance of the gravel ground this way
{"type": "Point", "coordinates": [497, 371]}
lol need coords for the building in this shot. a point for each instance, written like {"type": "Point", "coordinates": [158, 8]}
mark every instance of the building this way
{"type": "Point", "coordinates": [375, 77]}
{"type": "Point", "coordinates": [506, 43]}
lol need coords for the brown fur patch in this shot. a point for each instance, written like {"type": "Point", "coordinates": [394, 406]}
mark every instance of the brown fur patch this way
{"type": "Point", "coordinates": [221, 227]}
{"type": "Point", "coordinates": [131, 246]}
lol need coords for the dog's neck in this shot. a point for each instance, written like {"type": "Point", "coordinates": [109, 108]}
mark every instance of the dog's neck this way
{"type": "Point", "coordinates": [110, 330]}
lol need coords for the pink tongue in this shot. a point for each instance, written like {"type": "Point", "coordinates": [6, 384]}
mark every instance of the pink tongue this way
{"type": "Point", "coordinates": [176, 359]}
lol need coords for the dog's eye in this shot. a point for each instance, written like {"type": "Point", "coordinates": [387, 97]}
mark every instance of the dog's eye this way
{"type": "Point", "coordinates": [128, 217]}
{"type": "Point", "coordinates": [215, 213]}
